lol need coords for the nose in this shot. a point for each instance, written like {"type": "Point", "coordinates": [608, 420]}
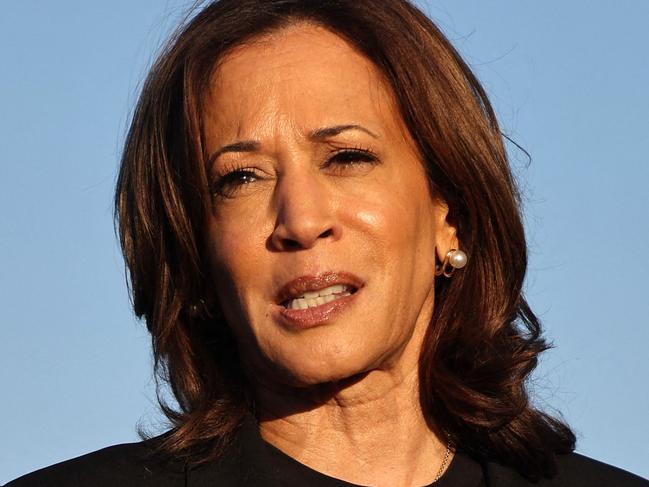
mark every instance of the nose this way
{"type": "Point", "coordinates": [305, 213]}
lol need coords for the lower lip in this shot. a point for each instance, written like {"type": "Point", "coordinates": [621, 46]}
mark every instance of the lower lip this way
{"type": "Point", "coordinates": [316, 316]}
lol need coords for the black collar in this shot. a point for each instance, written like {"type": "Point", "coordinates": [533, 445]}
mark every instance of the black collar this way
{"type": "Point", "coordinates": [251, 461]}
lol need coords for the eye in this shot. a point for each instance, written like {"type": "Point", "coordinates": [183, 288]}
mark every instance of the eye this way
{"type": "Point", "coordinates": [229, 184]}
{"type": "Point", "coordinates": [344, 159]}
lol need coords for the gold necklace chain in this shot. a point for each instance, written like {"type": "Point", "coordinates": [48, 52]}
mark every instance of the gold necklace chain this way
{"type": "Point", "coordinates": [442, 467]}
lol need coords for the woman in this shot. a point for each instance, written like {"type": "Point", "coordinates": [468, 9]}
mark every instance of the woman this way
{"type": "Point", "coordinates": [323, 236]}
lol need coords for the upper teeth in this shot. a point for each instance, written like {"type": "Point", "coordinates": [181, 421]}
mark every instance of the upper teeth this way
{"type": "Point", "coordinates": [337, 289]}
{"type": "Point", "coordinates": [319, 297]}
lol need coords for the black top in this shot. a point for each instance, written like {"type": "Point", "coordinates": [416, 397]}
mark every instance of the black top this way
{"type": "Point", "coordinates": [251, 461]}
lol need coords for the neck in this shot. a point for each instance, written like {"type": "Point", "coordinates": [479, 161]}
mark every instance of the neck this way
{"type": "Point", "coordinates": [369, 430]}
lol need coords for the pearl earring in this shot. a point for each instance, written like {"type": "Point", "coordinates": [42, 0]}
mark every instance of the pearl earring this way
{"type": "Point", "coordinates": [455, 259]}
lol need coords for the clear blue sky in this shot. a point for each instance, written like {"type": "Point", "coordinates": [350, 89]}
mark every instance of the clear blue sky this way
{"type": "Point", "coordinates": [569, 81]}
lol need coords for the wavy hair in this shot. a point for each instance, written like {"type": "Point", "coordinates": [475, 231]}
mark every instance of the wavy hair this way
{"type": "Point", "coordinates": [483, 340]}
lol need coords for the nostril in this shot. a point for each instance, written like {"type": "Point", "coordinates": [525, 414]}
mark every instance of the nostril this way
{"type": "Point", "coordinates": [297, 244]}
{"type": "Point", "coordinates": [291, 244]}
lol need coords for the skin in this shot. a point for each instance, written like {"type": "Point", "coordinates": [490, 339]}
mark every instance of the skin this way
{"type": "Point", "coordinates": [340, 397]}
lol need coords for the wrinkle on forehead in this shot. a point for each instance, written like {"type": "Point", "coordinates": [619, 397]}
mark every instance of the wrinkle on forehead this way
{"type": "Point", "coordinates": [351, 83]}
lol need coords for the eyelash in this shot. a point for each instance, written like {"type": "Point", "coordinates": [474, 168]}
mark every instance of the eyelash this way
{"type": "Point", "coordinates": [233, 177]}
{"type": "Point", "coordinates": [226, 185]}
{"type": "Point", "coordinates": [351, 156]}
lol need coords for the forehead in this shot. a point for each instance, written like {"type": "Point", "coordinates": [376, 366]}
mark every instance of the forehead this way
{"type": "Point", "coordinates": [303, 75]}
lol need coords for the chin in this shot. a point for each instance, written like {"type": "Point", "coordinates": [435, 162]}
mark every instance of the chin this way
{"type": "Point", "coordinates": [321, 364]}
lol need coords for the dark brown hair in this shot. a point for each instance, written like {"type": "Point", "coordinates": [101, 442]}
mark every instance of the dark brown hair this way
{"type": "Point", "coordinates": [483, 340]}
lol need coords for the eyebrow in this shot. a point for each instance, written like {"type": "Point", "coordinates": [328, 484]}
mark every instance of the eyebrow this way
{"type": "Point", "coordinates": [327, 132]}
{"type": "Point", "coordinates": [241, 146]}
{"type": "Point", "coordinates": [317, 134]}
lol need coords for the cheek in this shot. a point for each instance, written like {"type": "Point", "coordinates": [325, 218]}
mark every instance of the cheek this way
{"type": "Point", "coordinates": [236, 236]}
{"type": "Point", "coordinates": [394, 218]}
{"type": "Point", "coordinates": [237, 257]}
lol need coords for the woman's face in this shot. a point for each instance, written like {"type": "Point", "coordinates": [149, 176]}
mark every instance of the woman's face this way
{"type": "Point", "coordinates": [323, 233]}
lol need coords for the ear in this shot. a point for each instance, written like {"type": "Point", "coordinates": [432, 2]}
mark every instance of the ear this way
{"type": "Point", "coordinates": [445, 233]}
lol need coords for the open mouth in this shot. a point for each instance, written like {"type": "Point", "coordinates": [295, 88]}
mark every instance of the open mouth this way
{"type": "Point", "coordinates": [312, 299]}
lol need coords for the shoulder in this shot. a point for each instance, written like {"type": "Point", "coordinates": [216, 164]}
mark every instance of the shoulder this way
{"type": "Point", "coordinates": [574, 470]}
{"type": "Point", "coordinates": [129, 464]}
